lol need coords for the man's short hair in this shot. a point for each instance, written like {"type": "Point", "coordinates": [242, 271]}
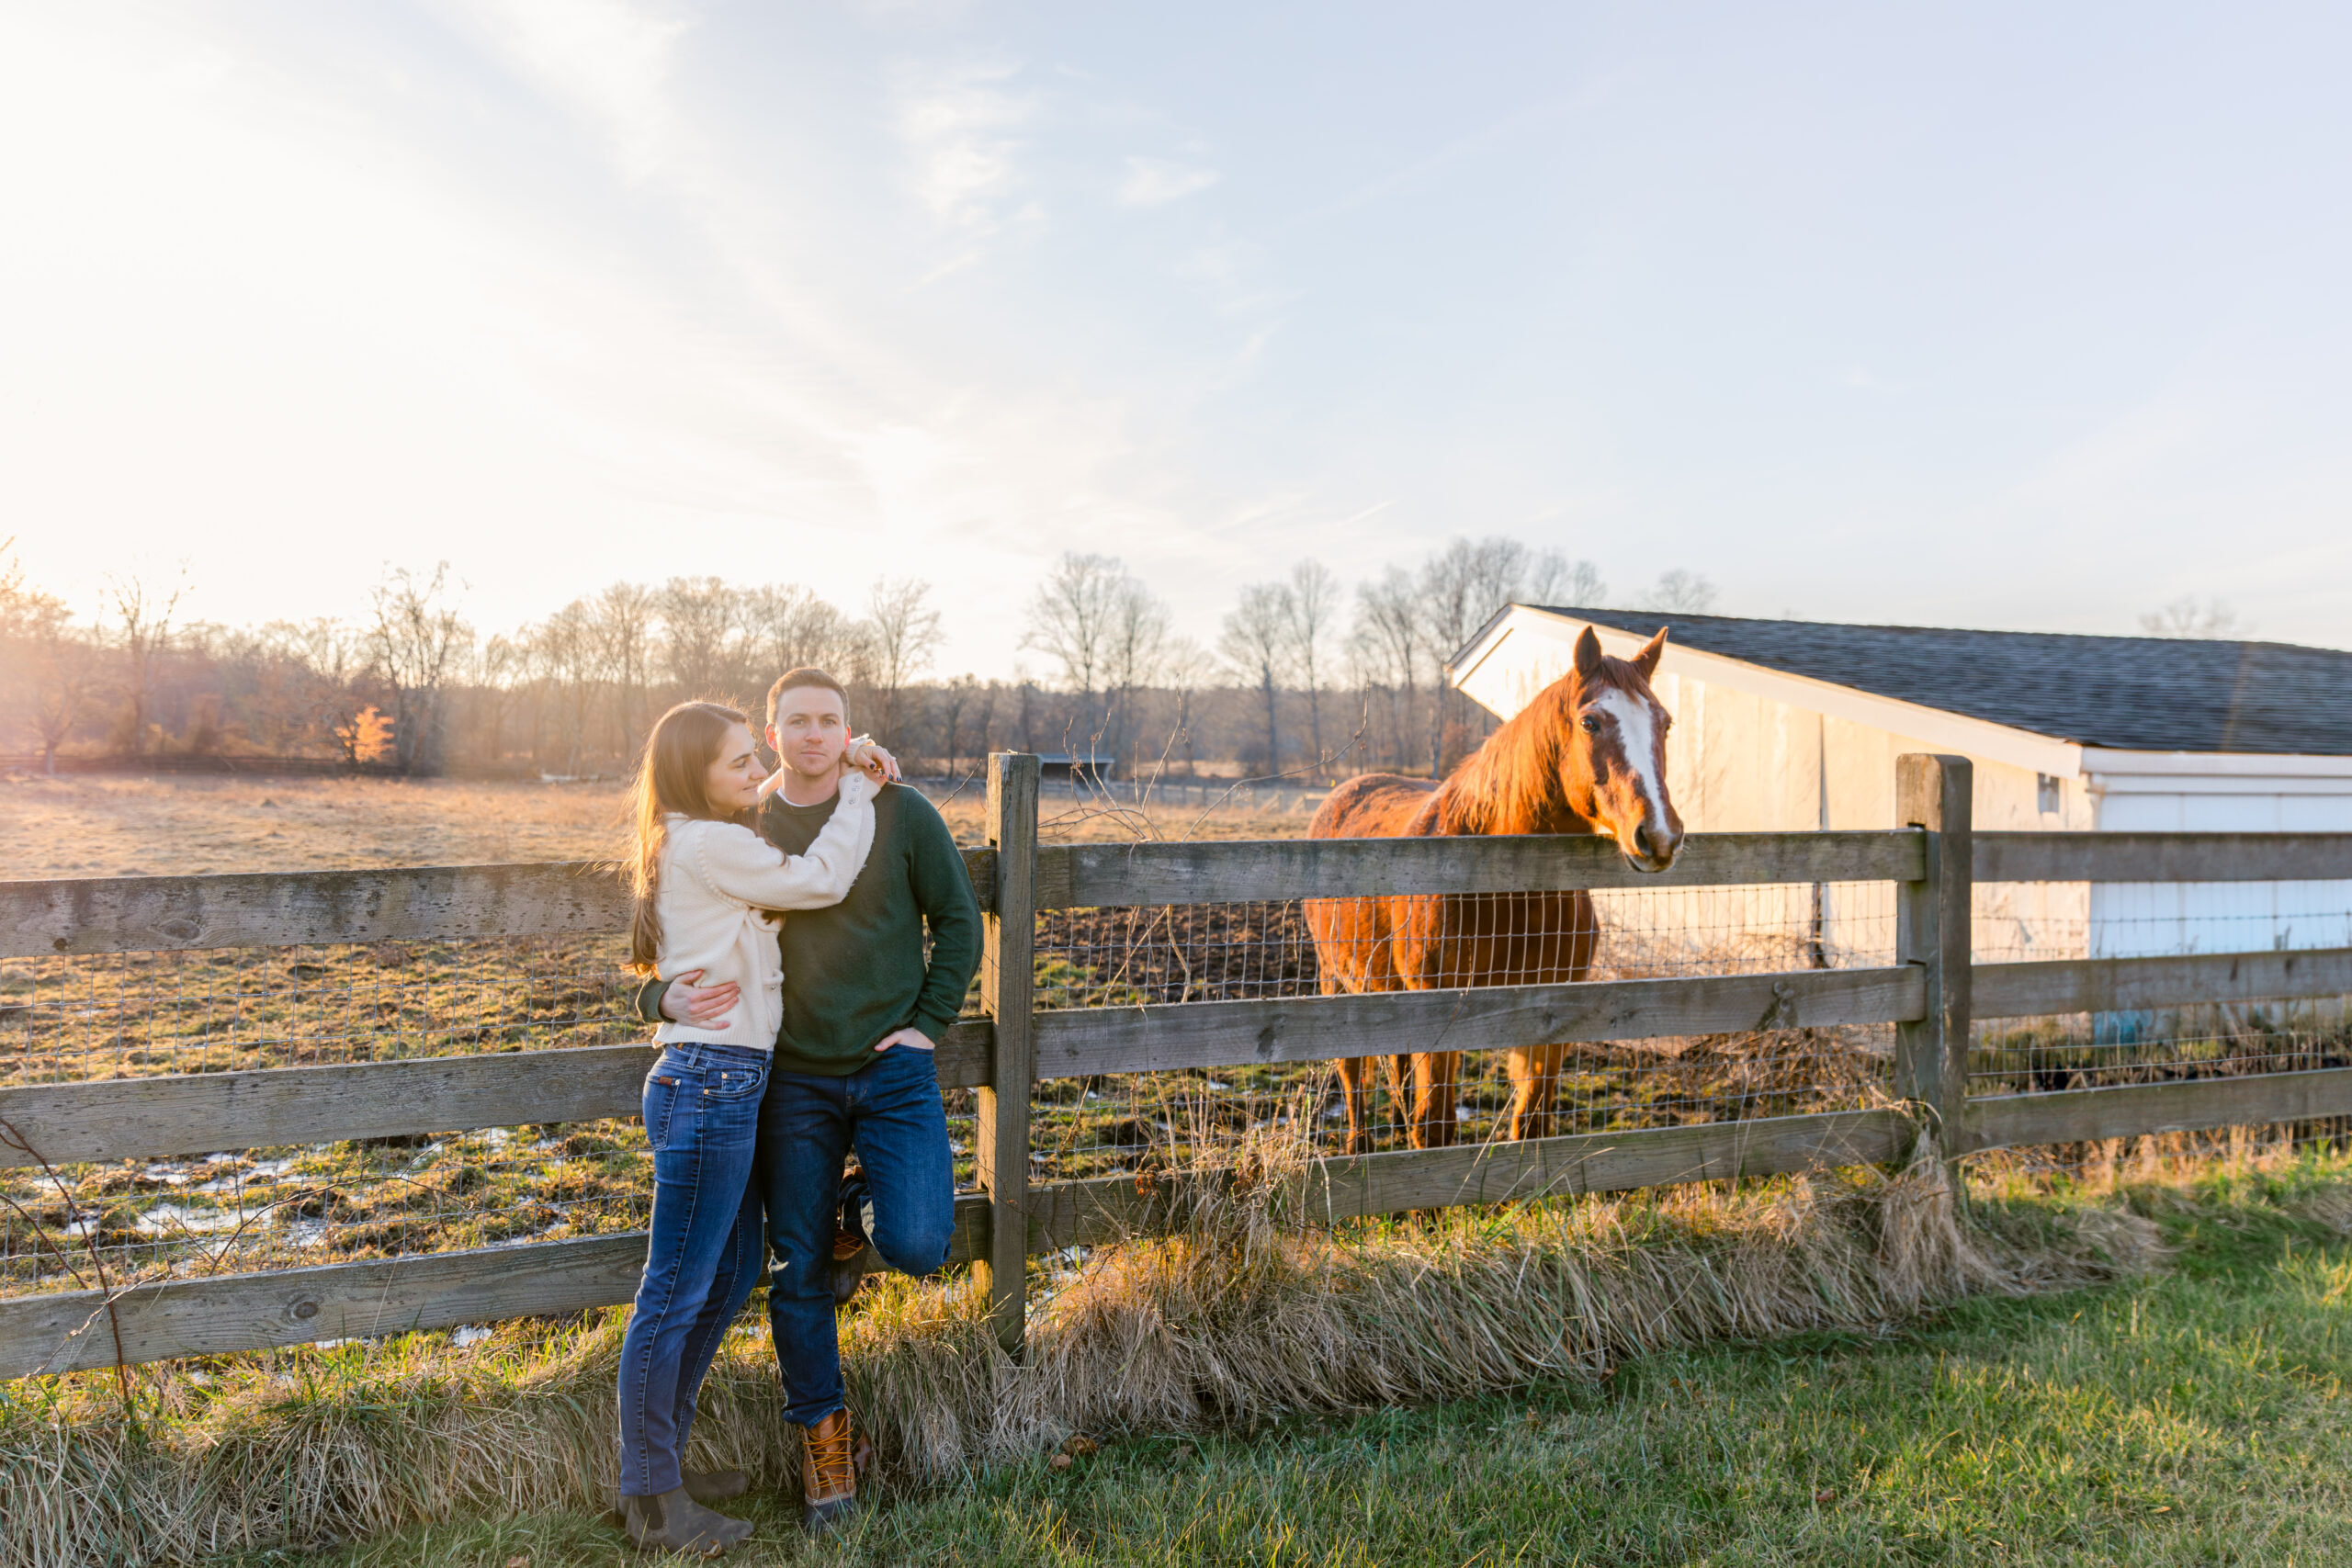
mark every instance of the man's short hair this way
{"type": "Point", "coordinates": [807, 675]}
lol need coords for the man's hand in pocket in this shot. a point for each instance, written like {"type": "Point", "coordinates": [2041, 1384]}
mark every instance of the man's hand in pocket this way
{"type": "Point", "coordinates": [912, 1039]}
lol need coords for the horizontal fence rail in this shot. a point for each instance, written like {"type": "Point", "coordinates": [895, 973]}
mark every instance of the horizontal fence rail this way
{"type": "Point", "coordinates": [1932, 866]}
{"type": "Point", "coordinates": [447, 903]}
{"type": "Point", "coordinates": [194, 1113]}
{"type": "Point", "coordinates": [2161, 857]}
{"type": "Point", "coordinates": [2121, 984]}
{"type": "Point", "coordinates": [2125, 1110]}
{"type": "Point", "coordinates": [1109, 875]}
{"type": "Point", "coordinates": [1486, 1018]}
{"type": "Point", "coordinates": [71, 1331]}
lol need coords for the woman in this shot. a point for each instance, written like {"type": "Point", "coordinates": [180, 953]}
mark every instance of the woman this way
{"type": "Point", "coordinates": [705, 888]}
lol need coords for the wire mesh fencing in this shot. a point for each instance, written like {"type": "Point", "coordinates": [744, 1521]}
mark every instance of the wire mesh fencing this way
{"type": "Point", "coordinates": [71, 1019]}
{"type": "Point", "coordinates": [2184, 1042]}
{"type": "Point", "coordinates": [140, 1014]}
{"type": "Point", "coordinates": [238, 1009]}
{"type": "Point", "coordinates": [1131, 957]}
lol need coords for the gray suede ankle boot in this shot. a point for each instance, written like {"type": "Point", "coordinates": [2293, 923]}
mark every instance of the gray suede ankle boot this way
{"type": "Point", "coordinates": [675, 1522]}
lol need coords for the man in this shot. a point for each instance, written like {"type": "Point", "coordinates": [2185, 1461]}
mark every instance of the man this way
{"type": "Point", "coordinates": [862, 1009]}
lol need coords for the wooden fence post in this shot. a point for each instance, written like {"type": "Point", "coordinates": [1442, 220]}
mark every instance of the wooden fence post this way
{"type": "Point", "coordinates": [1932, 928]}
{"type": "Point", "coordinates": [1008, 992]}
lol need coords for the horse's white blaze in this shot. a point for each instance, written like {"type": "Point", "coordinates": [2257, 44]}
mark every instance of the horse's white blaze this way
{"type": "Point", "coordinates": [1637, 738]}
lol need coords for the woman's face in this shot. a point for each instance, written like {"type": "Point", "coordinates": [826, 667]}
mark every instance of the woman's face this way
{"type": "Point", "coordinates": [735, 773]}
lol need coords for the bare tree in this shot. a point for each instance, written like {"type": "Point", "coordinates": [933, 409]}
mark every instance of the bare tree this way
{"type": "Point", "coordinates": [45, 670]}
{"type": "Point", "coordinates": [787, 627]}
{"type": "Point", "coordinates": [1133, 651]}
{"type": "Point", "coordinates": [701, 618]}
{"type": "Point", "coordinates": [954, 699]}
{"type": "Point", "coordinates": [61, 667]}
{"type": "Point", "coordinates": [1387, 644]}
{"type": "Point", "coordinates": [906, 635]}
{"type": "Point", "coordinates": [334, 658]}
{"type": "Point", "coordinates": [622, 624]}
{"type": "Point", "coordinates": [1189, 666]}
{"type": "Point", "coordinates": [1257, 645]}
{"type": "Point", "coordinates": [414, 644]}
{"type": "Point", "coordinates": [564, 648]}
{"type": "Point", "coordinates": [1578, 586]}
{"type": "Point", "coordinates": [1681, 593]}
{"type": "Point", "coordinates": [1461, 587]}
{"type": "Point", "coordinates": [1072, 619]}
{"type": "Point", "coordinates": [2187, 618]}
{"type": "Point", "coordinates": [142, 614]}
{"type": "Point", "coordinates": [65, 679]}
{"type": "Point", "coordinates": [496, 668]}
{"type": "Point", "coordinates": [1314, 606]}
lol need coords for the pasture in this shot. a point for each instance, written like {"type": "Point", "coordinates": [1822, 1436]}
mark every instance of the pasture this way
{"type": "Point", "coordinates": [1190, 1194]}
{"type": "Point", "coordinates": [127, 824]}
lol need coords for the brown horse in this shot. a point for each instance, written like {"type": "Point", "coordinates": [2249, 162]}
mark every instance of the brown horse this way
{"type": "Point", "coordinates": [1587, 756]}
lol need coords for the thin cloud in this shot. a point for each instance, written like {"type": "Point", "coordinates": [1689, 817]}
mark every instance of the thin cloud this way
{"type": "Point", "coordinates": [1155, 182]}
{"type": "Point", "coordinates": [960, 124]}
{"type": "Point", "coordinates": [609, 61]}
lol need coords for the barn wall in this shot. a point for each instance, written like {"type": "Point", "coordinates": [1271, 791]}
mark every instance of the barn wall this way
{"type": "Point", "coordinates": [1738, 762]}
{"type": "Point", "coordinates": [2133, 918]}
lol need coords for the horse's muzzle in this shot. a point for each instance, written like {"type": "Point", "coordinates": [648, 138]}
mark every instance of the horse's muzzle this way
{"type": "Point", "coordinates": [1651, 849]}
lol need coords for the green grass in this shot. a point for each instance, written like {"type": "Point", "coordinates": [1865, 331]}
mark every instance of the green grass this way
{"type": "Point", "coordinates": [2196, 1417]}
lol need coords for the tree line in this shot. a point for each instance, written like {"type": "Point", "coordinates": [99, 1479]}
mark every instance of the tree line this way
{"type": "Point", "coordinates": [1306, 678]}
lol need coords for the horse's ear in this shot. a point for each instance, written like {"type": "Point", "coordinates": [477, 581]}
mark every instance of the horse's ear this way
{"type": "Point", "coordinates": [1587, 654]}
{"type": "Point", "coordinates": [1646, 660]}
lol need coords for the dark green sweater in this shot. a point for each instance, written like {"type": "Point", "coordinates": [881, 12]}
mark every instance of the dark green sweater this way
{"type": "Point", "coordinates": [856, 972]}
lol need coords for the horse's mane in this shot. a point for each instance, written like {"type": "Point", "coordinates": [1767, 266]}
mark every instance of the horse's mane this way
{"type": "Point", "coordinates": [1511, 783]}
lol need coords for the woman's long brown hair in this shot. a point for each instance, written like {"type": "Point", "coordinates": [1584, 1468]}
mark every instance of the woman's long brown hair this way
{"type": "Point", "coordinates": [672, 776]}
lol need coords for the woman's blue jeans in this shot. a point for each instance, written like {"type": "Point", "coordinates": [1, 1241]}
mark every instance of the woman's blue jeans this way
{"type": "Point", "coordinates": [890, 1112]}
{"type": "Point", "coordinates": [701, 1116]}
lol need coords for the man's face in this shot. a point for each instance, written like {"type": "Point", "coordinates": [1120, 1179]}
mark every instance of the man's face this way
{"type": "Point", "coordinates": [811, 731]}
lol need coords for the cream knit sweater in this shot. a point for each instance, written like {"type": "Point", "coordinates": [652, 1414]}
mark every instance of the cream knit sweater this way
{"type": "Point", "coordinates": [720, 881]}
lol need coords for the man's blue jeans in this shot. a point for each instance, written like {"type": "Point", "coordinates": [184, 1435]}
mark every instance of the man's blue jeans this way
{"type": "Point", "coordinates": [701, 1116]}
{"type": "Point", "coordinates": [889, 1112]}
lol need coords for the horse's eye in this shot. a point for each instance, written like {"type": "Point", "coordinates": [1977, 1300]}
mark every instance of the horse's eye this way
{"type": "Point", "coordinates": [1592, 725]}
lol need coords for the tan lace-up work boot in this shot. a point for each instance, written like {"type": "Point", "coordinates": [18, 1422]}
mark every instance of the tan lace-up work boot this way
{"type": "Point", "coordinates": [833, 1455]}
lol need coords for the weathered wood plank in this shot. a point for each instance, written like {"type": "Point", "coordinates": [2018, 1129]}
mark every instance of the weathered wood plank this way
{"type": "Point", "coordinates": [2163, 857]}
{"type": "Point", "coordinates": [2128, 1109]}
{"type": "Point", "coordinates": [1009, 996]}
{"type": "Point", "coordinates": [139, 914]}
{"type": "Point", "coordinates": [155, 1118]}
{"type": "Point", "coordinates": [67, 1331]}
{"type": "Point", "coordinates": [1931, 930]}
{"type": "Point", "coordinates": [158, 914]}
{"type": "Point", "coordinates": [1105, 876]}
{"type": "Point", "coordinates": [2120, 984]}
{"type": "Point", "coordinates": [1305, 1029]}
{"type": "Point", "coordinates": [1604, 1162]}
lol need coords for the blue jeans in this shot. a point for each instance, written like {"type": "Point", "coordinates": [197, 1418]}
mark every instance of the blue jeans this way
{"type": "Point", "coordinates": [701, 1116]}
{"type": "Point", "coordinates": [891, 1113]}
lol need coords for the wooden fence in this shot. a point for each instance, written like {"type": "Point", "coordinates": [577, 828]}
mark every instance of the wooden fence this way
{"type": "Point", "coordinates": [1930, 995]}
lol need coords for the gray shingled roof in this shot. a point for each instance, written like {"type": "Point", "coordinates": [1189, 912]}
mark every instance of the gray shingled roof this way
{"type": "Point", "coordinates": [2141, 694]}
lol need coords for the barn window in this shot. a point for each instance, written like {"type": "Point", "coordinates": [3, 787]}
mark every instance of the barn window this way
{"type": "Point", "coordinates": [2046, 793]}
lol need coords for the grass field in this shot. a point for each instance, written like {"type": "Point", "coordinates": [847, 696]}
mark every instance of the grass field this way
{"type": "Point", "coordinates": [2197, 1417]}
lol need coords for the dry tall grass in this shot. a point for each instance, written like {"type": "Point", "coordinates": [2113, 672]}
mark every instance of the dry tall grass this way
{"type": "Point", "coordinates": [1245, 1314]}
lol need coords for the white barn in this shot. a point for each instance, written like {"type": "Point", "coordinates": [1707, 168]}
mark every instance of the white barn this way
{"type": "Point", "coordinates": [1788, 725]}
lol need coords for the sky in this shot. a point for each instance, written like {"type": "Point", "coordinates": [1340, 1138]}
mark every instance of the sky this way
{"type": "Point", "coordinates": [1986, 314]}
